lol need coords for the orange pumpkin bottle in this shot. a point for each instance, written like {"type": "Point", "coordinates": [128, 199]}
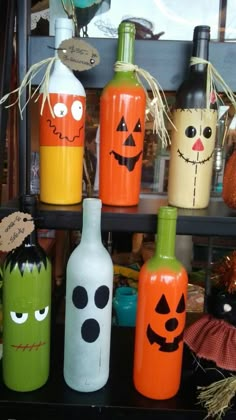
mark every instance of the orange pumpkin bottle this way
{"type": "Point", "coordinates": [122, 124]}
{"type": "Point", "coordinates": [161, 313]}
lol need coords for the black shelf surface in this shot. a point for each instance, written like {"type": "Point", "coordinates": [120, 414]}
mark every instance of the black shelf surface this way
{"type": "Point", "coordinates": [117, 400]}
{"type": "Point", "coordinates": [216, 220]}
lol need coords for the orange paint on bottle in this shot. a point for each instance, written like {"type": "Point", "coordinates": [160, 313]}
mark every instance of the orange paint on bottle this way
{"type": "Point", "coordinates": [121, 144]}
{"type": "Point", "coordinates": [161, 312]}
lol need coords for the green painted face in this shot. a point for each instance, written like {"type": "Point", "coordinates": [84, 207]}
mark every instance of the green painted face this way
{"type": "Point", "coordinates": [26, 325]}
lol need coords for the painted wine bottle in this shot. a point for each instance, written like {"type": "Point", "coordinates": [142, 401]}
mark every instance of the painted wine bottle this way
{"type": "Point", "coordinates": [193, 139]}
{"type": "Point", "coordinates": [122, 125]}
{"type": "Point", "coordinates": [62, 126]}
{"type": "Point", "coordinates": [161, 312]}
{"type": "Point", "coordinates": [26, 312]}
{"type": "Point", "coordinates": [89, 281]}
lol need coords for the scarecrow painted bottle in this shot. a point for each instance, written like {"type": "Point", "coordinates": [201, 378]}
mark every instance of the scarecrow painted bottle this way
{"type": "Point", "coordinates": [26, 312]}
{"type": "Point", "coordinates": [161, 312]}
{"type": "Point", "coordinates": [89, 281]}
{"type": "Point", "coordinates": [62, 133]}
{"type": "Point", "coordinates": [193, 141]}
{"type": "Point", "coordinates": [122, 125]}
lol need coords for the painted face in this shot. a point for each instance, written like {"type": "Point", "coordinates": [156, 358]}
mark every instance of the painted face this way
{"type": "Point", "coordinates": [128, 145]}
{"type": "Point", "coordinates": [67, 126]}
{"type": "Point", "coordinates": [26, 329]}
{"type": "Point", "coordinates": [191, 160]}
{"type": "Point", "coordinates": [168, 323]}
{"type": "Point", "coordinates": [90, 327]}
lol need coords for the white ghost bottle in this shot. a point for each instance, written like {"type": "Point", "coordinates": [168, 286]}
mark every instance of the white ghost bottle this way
{"type": "Point", "coordinates": [193, 141]}
{"type": "Point", "coordinates": [89, 278]}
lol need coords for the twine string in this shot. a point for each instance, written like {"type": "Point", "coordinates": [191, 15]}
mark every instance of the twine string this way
{"type": "Point", "coordinates": [27, 83]}
{"type": "Point", "coordinates": [157, 106]}
{"type": "Point", "coordinates": [214, 82]}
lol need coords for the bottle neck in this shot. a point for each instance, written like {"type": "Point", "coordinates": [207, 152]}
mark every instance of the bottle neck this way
{"type": "Point", "coordinates": [91, 231]}
{"type": "Point", "coordinates": [61, 34]}
{"type": "Point", "coordinates": [125, 50]}
{"type": "Point", "coordinates": [32, 239]}
{"type": "Point", "coordinates": [165, 247]}
{"type": "Point", "coordinates": [200, 50]}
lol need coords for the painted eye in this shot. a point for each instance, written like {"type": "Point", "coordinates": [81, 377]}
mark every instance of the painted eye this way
{"type": "Point", "coordinates": [60, 110]}
{"type": "Point", "coordinates": [79, 297]}
{"type": "Point", "coordinates": [101, 297]}
{"type": "Point", "coordinates": [190, 131]}
{"type": "Point", "coordinates": [77, 110]}
{"type": "Point", "coordinates": [137, 128]}
{"type": "Point", "coordinates": [207, 132]}
{"type": "Point", "coordinates": [227, 307]}
{"type": "Point", "coordinates": [18, 317]}
{"type": "Point", "coordinates": [162, 306]}
{"type": "Point", "coordinates": [41, 314]}
{"type": "Point", "coordinates": [122, 125]}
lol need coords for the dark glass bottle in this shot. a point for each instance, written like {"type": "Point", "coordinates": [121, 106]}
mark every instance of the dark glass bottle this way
{"type": "Point", "coordinates": [26, 311]}
{"type": "Point", "coordinates": [122, 127]}
{"type": "Point", "coordinates": [193, 141]}
{"type": "Point", "coordinates": [161, 311]}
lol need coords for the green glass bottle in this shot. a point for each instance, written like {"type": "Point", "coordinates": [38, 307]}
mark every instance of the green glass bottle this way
{"type": "Point", "coordinates": [161, 310]}
{"type": "Point", "coordinates": [122, 126]}
{"type": "Point", "coordinates": [26, 312]}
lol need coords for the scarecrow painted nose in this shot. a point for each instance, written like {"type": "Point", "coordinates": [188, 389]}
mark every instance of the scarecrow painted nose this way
{"type": "Point", "coordinates": [198, 145]}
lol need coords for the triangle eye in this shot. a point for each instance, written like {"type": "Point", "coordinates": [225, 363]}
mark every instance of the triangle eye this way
{"type": "Point", "coordinates": [181, 305]}
{"type": "Point", "coordinates": [137, 128]}
{"type": "Point", "coordinates": [122, 125]}
{"type": "Point", "coordinates": [162, 306]}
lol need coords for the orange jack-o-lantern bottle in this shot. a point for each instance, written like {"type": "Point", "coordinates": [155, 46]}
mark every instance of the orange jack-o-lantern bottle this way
{"type": "Point", "coordinates": [161, 312]}
{"type": "Point", "coordinates": [193, 140]}
{"type": "Point", "coordinates": [62, 134]}
{"type": "Point", "coordinates": [122, 119]}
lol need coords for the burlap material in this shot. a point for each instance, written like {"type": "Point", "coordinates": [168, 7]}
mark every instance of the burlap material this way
{"type": "Point", "coordinates": [213, 339]}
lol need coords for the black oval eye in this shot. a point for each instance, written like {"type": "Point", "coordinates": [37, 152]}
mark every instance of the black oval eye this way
{"type": "Point", "coordinates": [162, 306]}
{"type": "Point", "coordinates": [190, 131]}
{"type": "Point", "coordinates": [92, 61]}
{"type": "Point", "coordinates": [79, 297]}
{"type": "Point", "coordinates": [101, 296]}
{"type": "Point", "coordinates": [207, 132]}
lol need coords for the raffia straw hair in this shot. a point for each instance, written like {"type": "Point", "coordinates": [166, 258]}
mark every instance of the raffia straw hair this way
{"type": "Point", "coordinates": [157, 107]}
{"type": "Point", "coordinates": [214, 81]}
{"type": "Point", "coordinates": [216, 397]}
{"type": "Point", "coordinates": [42, 87]}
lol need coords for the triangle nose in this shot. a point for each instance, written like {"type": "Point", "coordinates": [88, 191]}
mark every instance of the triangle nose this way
{"type": "Point", "coordinates": [198, 145]}
{"type": "Point", "coordinates": [129, 141]}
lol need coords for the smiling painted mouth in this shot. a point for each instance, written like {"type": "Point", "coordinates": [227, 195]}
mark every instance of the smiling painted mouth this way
{"type": "Point", "coordinates": [129, 162]}
{"type": "Point", "coordinates": [167, 347]}
{"type": "Point", "coordinates": [29, 347]}
{"type": "Point", "coordinates": [59, 134]}
{"type": "Point", "coordinates": [195, 162]}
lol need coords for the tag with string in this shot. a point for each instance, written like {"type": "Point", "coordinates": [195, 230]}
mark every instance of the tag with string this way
{"type": "Point", "coordinates": [157, 106]}
{"type": "Point", "coordinates": [14, 229]}
{"type": "Point", "coordinates": [74, 53]}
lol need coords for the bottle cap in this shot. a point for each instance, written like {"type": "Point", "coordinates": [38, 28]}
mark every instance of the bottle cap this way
{"type": "Point", "coordinates": [64, 23]}
{"type": "Point", "coordinates": [94, 203]}
{"type": "Point", "coordinates": [201, 32]}
{"type": "Point", "coordinates": [128, 27]}
{"type": "Point", "coordinates": [167, 212]}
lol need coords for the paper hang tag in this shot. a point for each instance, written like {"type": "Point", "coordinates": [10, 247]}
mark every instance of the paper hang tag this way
{"type": "Point", "coordinates": [14, 229]}
{"type": "Point", "coordinates": [78, 55]}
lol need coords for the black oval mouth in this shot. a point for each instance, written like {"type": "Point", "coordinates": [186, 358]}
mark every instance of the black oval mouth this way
{"type": "Point", "coordinates": [90, 330]}
{"type": "Point", "coordinates": [195, 162]}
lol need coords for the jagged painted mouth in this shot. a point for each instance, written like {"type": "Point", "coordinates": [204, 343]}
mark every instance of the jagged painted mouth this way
{"type": "Point", "coordinates": [59, 134]}
{"type": "Point", "coordinates": [193, 161]}
{"type": "Point", "coordinates": [129, 162]}
{"type": "Point", "coordinates": [29, 347]}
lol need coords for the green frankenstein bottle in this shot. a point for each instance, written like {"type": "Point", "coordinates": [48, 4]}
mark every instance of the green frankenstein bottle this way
{"type": "Point", "coordinates": [26, 312]}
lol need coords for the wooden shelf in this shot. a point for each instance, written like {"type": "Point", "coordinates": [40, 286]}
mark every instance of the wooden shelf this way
{"type": "Point", "coordinates": [216, 220]}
